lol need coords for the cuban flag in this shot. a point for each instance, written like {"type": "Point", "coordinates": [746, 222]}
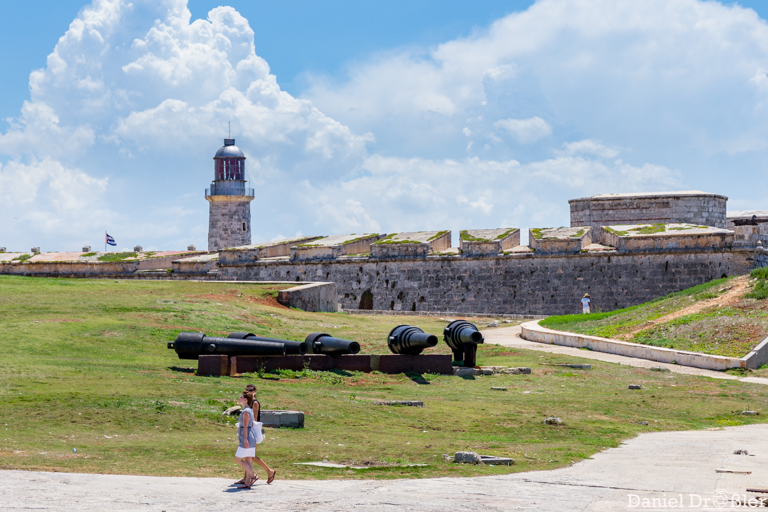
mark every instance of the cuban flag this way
{"type": "Point", "coordinates": [110, 240]}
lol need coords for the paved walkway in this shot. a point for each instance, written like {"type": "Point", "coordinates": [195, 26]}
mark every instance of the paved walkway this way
{"type": "Point", "coordinates": [665, 465]}
{"type": "Point", "coordinates": [510, 337]}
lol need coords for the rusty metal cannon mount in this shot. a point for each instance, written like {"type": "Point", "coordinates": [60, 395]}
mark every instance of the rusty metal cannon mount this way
{"type": "Point", "coordinates": [191, 345]}
{"type": "Point", "coordinates": [409, 340]}
{"type": "Point", "coordinates": [463, 338]}
{"type": "Point", "coordinates": [322, 343]}
{"type": "Point", "coordinates": [291, 347]}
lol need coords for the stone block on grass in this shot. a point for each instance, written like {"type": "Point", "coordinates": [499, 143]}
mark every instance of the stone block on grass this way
{"type": "Point", "coordinates": [280, 419]}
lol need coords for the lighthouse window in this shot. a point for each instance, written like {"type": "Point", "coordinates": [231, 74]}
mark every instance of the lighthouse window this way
{"type": "Point", "coordinates": [244, 226]}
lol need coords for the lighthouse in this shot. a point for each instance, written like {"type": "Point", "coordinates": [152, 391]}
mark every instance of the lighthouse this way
{"type": "Point", "coordinates": [229, 221]}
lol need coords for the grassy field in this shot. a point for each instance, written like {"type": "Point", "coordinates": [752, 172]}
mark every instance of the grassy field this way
{"type": "Point", "coordinates": [85, 366]}
{"type": "Point", "coordinates": [726, 317]}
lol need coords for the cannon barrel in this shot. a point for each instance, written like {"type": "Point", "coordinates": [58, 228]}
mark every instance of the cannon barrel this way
{"type": "Point", "coordinates": [291, 347]}
{"type": "Point", "coordinates": [191, 345]}
{"type": "Point", "coordinates": [322, 343]}
{"type": "Point", "coordinates": [463, 338]}
{"type": "Point", "coordinates": [409, 340]}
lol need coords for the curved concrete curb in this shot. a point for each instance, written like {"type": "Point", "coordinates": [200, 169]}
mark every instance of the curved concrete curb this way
{"type": "Point", "coordinates": [532, 331]}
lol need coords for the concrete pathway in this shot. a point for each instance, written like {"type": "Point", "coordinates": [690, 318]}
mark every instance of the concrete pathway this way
{"type": "Point", "coordinates": [661, 466]}
{"type": "Point", "coordinates": [510, 337]}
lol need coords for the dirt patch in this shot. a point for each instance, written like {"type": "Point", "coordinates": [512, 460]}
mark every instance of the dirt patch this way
{"type": "Point", "coordinates": [237, 296]}
{"type": "Point", "coordinates": [732, 296]}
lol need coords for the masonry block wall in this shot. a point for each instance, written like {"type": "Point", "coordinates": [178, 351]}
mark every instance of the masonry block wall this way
{"type": "Point", "coordinates": [692, 207]}
{"type": "Point", "coordinates": [229, 222]}
{"type": "Point", "coordinates": [520, 283]}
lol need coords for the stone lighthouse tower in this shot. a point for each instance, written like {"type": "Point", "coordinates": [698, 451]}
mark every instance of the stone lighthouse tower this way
{"type": "Point", "coordinates": [229, 222]}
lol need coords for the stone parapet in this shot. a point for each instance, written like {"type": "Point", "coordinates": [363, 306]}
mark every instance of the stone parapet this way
{"type": "Point", "coordinates": [664, 237]}
{"type": "Point", "coordinates": [332, 247]}
{"type": "Point", "coordinates": [195, 265]}
{"type": "Point", "coordinates": [559, 240]}
{"type": "Point", "coordinates": [415, 244]}
{"type": "Point", "coordinates": [274, 249]}
{"type": "Point", "coordinates": [488, 242]}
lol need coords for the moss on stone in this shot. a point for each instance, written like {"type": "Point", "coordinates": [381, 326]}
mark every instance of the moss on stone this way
{"type": "Point", "coordinates": [389, 239]}
{"type": "Point", "coordinates": [651, 229]}
{"type": "Point", "coordinates": [579, 233]}
{"type": "Point", "coordinates": [437, 235]}
{"type": "Point", "coordinates": [117, 256]}
{"type": "Point", "coordinates": [464, 235]}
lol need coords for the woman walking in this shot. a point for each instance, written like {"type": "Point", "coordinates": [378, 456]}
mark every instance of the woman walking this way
{"type": "Point", "coordinates": [256, 407]}
{"type": "Point", "coordinates": [246, 436]}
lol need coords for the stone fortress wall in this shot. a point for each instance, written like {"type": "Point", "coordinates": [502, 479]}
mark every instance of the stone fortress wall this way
{"type": "Point", "coordinates": [618, 261]}
{"type": "Point", "coordinates": [506, 284]}
{"type": "Point", "coordinates": [690, 206]}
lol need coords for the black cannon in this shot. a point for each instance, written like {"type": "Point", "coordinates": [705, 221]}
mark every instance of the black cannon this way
{"type": "Point", "coordinates": [191, 345]}
{"type": "Point", "coordinates": [409, 340]}
{"type": "Point", "coordinates": [463, 338]}
{"type": "Point", "coordinates": [291, 347]}
{"type": "Point", "coordinates": [321, 343]}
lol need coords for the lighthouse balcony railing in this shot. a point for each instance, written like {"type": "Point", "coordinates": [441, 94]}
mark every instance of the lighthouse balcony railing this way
{"type": "Point", "coordinates": [228, 190]}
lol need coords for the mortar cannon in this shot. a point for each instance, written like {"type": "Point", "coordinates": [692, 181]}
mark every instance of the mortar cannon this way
{"type": "Point", "coordinates": [291, 347]}
{"type": "Point", "coordinates": [321, 343]}
{"type": "Point", "coordinates": [409, 340]}
{"type": "Point", "coordinates": [463, 338]}
{"type": "Point", "coordinates": [191, 345]}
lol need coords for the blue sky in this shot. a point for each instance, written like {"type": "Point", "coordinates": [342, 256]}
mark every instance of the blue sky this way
{"type": "Point", "coordinates": [369, 116]}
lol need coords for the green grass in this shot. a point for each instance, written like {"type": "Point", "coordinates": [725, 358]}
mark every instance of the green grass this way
{"type": "Point", "coordinates": [727, 331]}
{"type": "Point", "coordinates": [85, 366]}
{"type": "Point", "coordinates": [88, 255]}
{"type": "Point", "coordinates": [760, 286]}
{"type": "Point", "coordinates": [22, 258]}
{"type": "Point", "coordinates": [117, 256]}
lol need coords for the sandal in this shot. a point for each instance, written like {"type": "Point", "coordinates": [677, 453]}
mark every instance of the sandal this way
{"type": "Point", "coordinates": [245, 486]}
{"type": "Point", "coordinates": [272, 476]}
{"type": "Point", "coordinates": [240, 482]}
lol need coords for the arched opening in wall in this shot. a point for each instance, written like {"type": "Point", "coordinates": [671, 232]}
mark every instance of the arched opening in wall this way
{"type": "Point", "coordinates": [244, 229]}
{"type": "Point", "coordinates": [366, 301]}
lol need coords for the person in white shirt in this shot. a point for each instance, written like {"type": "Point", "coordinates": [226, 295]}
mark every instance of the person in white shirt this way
{"type": "Point", "coordinates": [586, 305]}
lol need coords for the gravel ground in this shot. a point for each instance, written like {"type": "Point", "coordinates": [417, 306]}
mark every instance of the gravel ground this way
{"type": "Point", "coordinates": [661, 466]}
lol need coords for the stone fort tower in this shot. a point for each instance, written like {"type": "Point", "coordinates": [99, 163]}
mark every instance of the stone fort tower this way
{"type": "Point", "coordinates": [229, 222]}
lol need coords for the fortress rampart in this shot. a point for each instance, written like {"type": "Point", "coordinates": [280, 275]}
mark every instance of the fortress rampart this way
{"type": "Point", "coordinates": [619, 264]}
{"type": "Point", "coordinates": [516, 283]}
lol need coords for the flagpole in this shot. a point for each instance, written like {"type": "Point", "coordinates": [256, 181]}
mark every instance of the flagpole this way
{"type": "Point", "coordinates": [105, 241]}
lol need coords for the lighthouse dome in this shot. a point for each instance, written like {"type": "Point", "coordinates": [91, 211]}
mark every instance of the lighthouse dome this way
{"type": "Point", "coordinates": [229, 150]}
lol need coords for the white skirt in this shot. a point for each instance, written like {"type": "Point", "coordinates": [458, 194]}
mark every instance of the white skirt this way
{"type": "Point", "coordinates": [245, 452]}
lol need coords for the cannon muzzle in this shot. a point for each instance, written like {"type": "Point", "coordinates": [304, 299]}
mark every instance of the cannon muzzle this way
{"type": "Point", "coordinates": [409, 340]}
{"type": "Point", "coordinates": [463, 338]}
{"type": "Point", "coordinates": [191, 345]}
{"type": "Point", "coordinates": [321, 343]}
{"type": "Point", "coordinates": [291, 347]}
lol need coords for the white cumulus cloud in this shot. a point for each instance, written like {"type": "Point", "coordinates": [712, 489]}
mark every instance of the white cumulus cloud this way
{"type": "Point", "coordinates": [525, 131]}
{"type": "Point", "coordinates": [500, 128]}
